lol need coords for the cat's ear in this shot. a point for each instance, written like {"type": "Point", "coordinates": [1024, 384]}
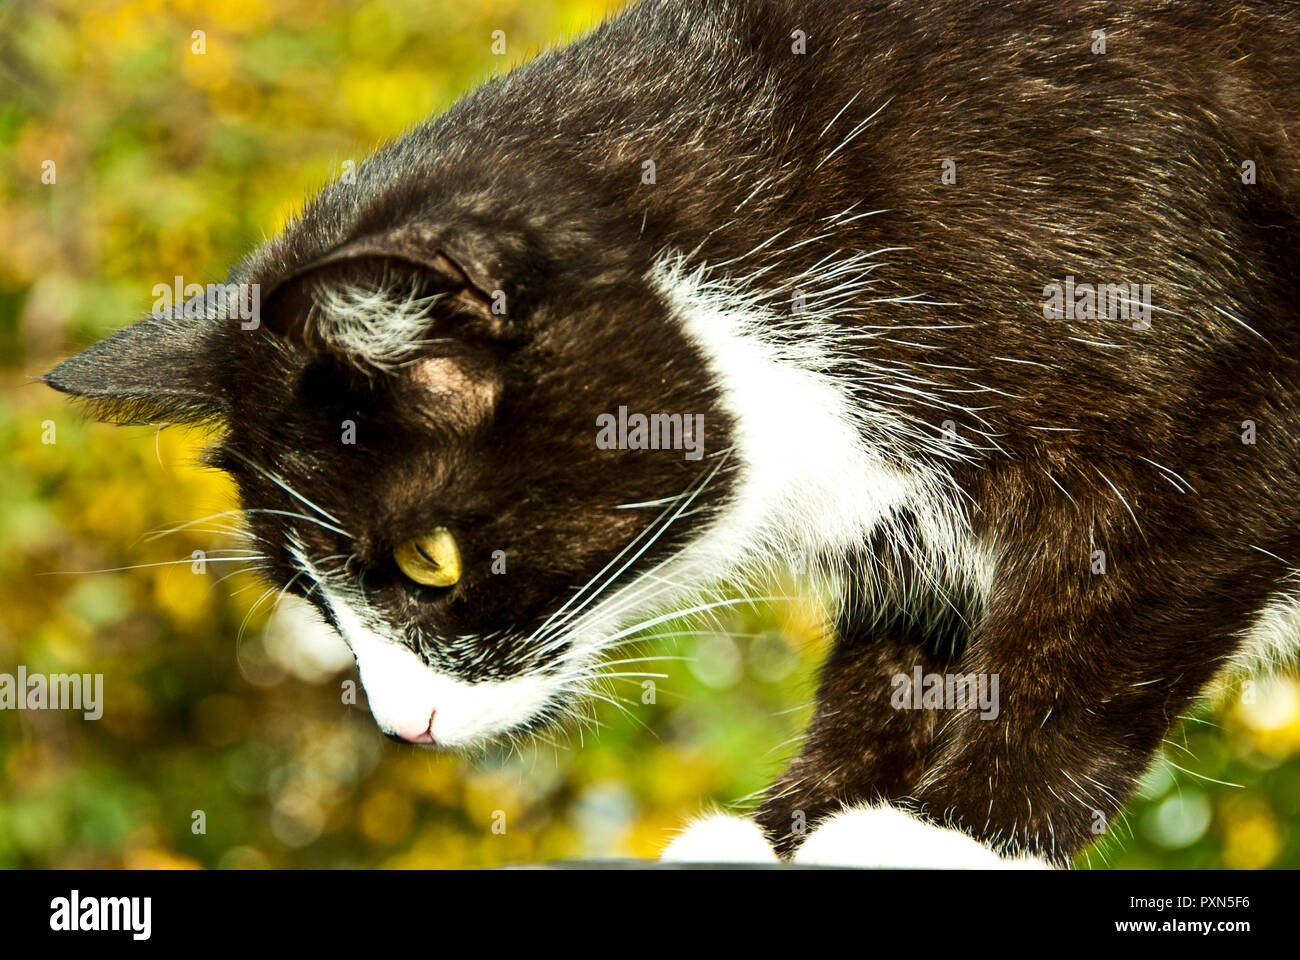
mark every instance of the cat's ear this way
{"type": "Point", "coordinates": [159, 370]}
{"type": "Point", "coordinates": [377, 300]}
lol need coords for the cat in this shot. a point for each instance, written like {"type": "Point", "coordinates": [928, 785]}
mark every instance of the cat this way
{"type": "Point", "coordinates": [983, 312]}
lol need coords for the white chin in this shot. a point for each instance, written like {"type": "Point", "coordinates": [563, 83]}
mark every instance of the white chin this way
{"type": "Point", "coordinates": [411, 700]}
{"type": "Point", "coordinates": [407, 698]}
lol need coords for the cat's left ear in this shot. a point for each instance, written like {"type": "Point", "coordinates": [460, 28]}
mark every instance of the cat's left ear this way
{"type": "Point", "coordinates": [159, 370]}
{"type": "Point", "coordinates": [376, 298]}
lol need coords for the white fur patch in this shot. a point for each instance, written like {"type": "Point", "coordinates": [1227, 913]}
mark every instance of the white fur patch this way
{"type": "Point", "coordinates": [720, 838]}
{"type": "Point", "coordinates": [885, 836]}
{"type": "Point", "coordinates": [1273, 640]}
{"type": "Point", "coordinates": [382, 325]}
{"type": "Point", "coordinates": [818, 466]}
{"type": "Point", "coordinates": [806, 474]}
{"type": "Point", "coordinates": [880, 836]}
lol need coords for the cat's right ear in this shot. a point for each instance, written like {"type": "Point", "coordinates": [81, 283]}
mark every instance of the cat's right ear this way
{"type": "Point", "coordinates": [159, 370]}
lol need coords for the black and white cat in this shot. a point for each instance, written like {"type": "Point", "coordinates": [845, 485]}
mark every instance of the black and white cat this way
{"type": "Point", "coordinates": [988, 313]}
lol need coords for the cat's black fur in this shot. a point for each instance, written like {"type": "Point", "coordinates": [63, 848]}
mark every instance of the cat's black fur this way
{"type": "Point", "coordinates": [1122, 166]}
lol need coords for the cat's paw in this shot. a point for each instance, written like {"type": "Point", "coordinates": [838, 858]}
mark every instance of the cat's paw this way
{"type": "Point", "coordinates": [885, 836]}
{"type": "Point", "coordinates": [720, 838]}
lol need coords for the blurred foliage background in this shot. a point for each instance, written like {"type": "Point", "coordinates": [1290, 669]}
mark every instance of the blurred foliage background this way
{"type": "Point", "coordinates": [167, 162]}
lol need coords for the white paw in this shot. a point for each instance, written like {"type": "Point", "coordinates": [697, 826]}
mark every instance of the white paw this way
{"type": "Point", "coordinates": [885, 836]}
{"type": "Point", "coordinates": [720, 838]}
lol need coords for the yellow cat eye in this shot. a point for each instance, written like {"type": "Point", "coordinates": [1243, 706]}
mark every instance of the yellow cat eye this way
{"type": "Point", "coordinates": [432, 559]}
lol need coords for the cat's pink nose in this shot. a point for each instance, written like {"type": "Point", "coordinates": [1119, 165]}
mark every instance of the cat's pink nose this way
{"type": "Point", "coordinates": [413, 735]}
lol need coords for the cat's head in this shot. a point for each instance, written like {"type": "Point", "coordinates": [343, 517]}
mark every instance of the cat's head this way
{"type": "Point", "coordinates": [433, 423]}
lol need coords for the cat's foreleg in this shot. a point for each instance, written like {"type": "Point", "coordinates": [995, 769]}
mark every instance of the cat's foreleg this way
{"type": "Point", "coordinates": [860, 751]}
{"type": "Point", "coordinates": [857, 750]}
{"type": "Point", "coordinates": [860, 748]}
{"type": "Point", "coordinates": [1091, 671]}
{"type": "Point", "coordinates": [1077, 725]}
